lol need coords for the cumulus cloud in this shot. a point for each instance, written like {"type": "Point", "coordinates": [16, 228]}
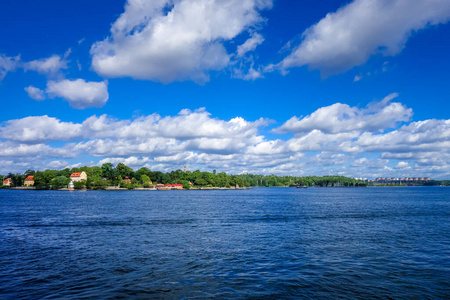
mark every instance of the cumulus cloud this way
{"type": "Point", "coordinates": [422, 136]}
{"type": "Point", "coordinates": [80, 93]}
{"type": "Point", "coordinates": [35, 93]}
{"type": "Point", "coordinates": [39, 129]}
{"type": "Point", "coordinates": [196, 126]}
{"type": "Point", "coordinates": [348, 37]}
{"type": "Point", "coordinates": [237, 145]}
{"type": "Point", "coordinates": [340, 117]}
{"type": "Point", "coordinates": [13, 166]}
{"type": "Point", "coordinates": [12, 149]}
{"type": "Point", "coordinates": [50, 66]}
{"type": "Point", "coordinates": [8, 64]}
{"type": "Point", "coordinates": [132, 161]}
{"type": "Point", "coordinates": [58, 164]}
{"type": "Point", "coordinates": [403, 165]}
{"type": "Point", "coordinates": [179, 40]}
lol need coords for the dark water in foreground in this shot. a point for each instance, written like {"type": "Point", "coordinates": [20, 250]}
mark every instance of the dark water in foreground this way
{"type": "Point", "coordinates": [261, 243]}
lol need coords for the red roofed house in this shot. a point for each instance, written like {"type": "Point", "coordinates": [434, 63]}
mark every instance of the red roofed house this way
{"type": "Point", "coordinates": [7, 182]}
{"type": "Point", "coordinates": [126, 180]}
{"type": "Point", "coordinates": [169, 187]}
{"type": "Point", "coordinates": [78, 176]}
{"type": "Point", "coordinates": [175, 186]}
{"type": "Point", "coordinates": [29, 181]}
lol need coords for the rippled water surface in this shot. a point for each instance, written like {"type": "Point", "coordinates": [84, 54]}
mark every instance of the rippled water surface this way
{"type": "Point", "coordinates": [260, 243]}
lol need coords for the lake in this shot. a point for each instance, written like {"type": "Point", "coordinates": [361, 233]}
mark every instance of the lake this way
{"type": "Point", "coordinates": [279, 243]}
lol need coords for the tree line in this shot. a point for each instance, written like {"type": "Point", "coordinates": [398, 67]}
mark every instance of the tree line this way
{"type": "Point", "coordinates": [110, 175]}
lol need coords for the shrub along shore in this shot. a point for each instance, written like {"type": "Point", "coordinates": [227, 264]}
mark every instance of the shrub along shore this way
{"type": "Point", "coordinates": [121, 176]}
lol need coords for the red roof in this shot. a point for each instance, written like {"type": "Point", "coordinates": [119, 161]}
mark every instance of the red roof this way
{"type": "Point", "coordinates": [77, 174]}
{"type": "Point", "coordinates": [168, 185]}
{"type": "Point", "coordinates": [29, 177]}
{"type": "Point", "coordinates": [7, 180]}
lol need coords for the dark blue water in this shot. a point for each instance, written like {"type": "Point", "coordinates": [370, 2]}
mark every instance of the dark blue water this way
{"type": "Point", "coordinates": [261, 243]}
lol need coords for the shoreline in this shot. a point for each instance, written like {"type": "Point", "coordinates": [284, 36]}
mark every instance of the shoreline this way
{"type": "Point", "coordinates": [125, 189]}
{"type": "Point", "coordinates": [113, 189]}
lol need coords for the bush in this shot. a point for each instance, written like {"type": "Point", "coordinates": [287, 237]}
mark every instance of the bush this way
{"type": "Point", "coordinates": [78, 185]}
{"type": "Point", "coordinates": [129, 186]}
{"type": "Point", "coordinates": [186, 185]}
{"type": "Point", "coordinates": [100, 184]}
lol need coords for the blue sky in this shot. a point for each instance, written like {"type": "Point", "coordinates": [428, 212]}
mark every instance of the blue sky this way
{"type": "Point", "coordinates": [356, 88]}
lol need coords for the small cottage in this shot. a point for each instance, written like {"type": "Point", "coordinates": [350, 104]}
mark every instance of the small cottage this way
{"type": "Point", "coordinates": [29, 181]}
{"type": "Point", "coordinates": [78, 176]}
{"type": "Point", "coordinates": [7, 182]}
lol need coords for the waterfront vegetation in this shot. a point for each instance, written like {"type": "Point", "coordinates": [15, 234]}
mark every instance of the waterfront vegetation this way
{"type": "Point", "coordinates": [109, 175]}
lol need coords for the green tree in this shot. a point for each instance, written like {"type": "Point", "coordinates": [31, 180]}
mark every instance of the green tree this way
{"type": "Point", "coordinates": [59, 182]}
{"type": "Point", "coordinates": [108, 171]}
{"type": "Point", "coordinates": [145, 179]}
{"type": "Point", "coordinates": [222, 180]}
{"type": "Point", "coordinates": [200, 182]}
{"type": "Point", "coordinates": [124, 170]}
{"type": "Point", "coordinates": [186, 185]}
{"type": "Point", "coordinates": [29, 172]}
{"type": "Point", "coordinates": [142, 171]}
{"type": "Point", "coordinates": [66, 172]}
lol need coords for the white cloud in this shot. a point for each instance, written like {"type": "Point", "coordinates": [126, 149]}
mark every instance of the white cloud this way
{"type": "Point", "coordinates": [349, 36]}
{"type": "Point", "coordinates": [132, 161]}
{"type": "Point", "coordinates": [152, 133]}
{"type": "Point", "coordinates": [126, 147]}
{"type": "Point", "coordinates": [403, 165]}
{"type": "Point", "coordinates": [35, 93]}
{"type": "Point", "coordinates": [8, 64]}
{"type": "Point", "coordinates": [237, 145]}
{"type": "Point", "coordinates": [250, 44]}
{"type": "Point", "coordinates": [40, 129]}
{"type": "Point", "coordinates": [251, 74]}
{"type": "Point", "coordinates": [50, 66]}
{"type": "Point", "coordinates": [340, 117]}
{"type": "Point", "coordinates": [174, 40]}
{"type": "Point", "coordinates": [80, 93]}
{"type": "Point", "coordinates": [423, 136]}
{"type": "Point", "coordinates": [58, 165]}
{"type": "Point", "coordinates": [11, 149]}
{"type": "Point", "coordinates": [13, 166]}
{"type": "Point", "coordinates": [374, 164]}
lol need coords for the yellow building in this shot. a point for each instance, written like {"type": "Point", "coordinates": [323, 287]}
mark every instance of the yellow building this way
{"type": "Point", "coordinates": [29, 181]}
{"type": "Point", "coordinates": [78, 176]}
{"type": "Point", "coordinates": [7, 182]}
